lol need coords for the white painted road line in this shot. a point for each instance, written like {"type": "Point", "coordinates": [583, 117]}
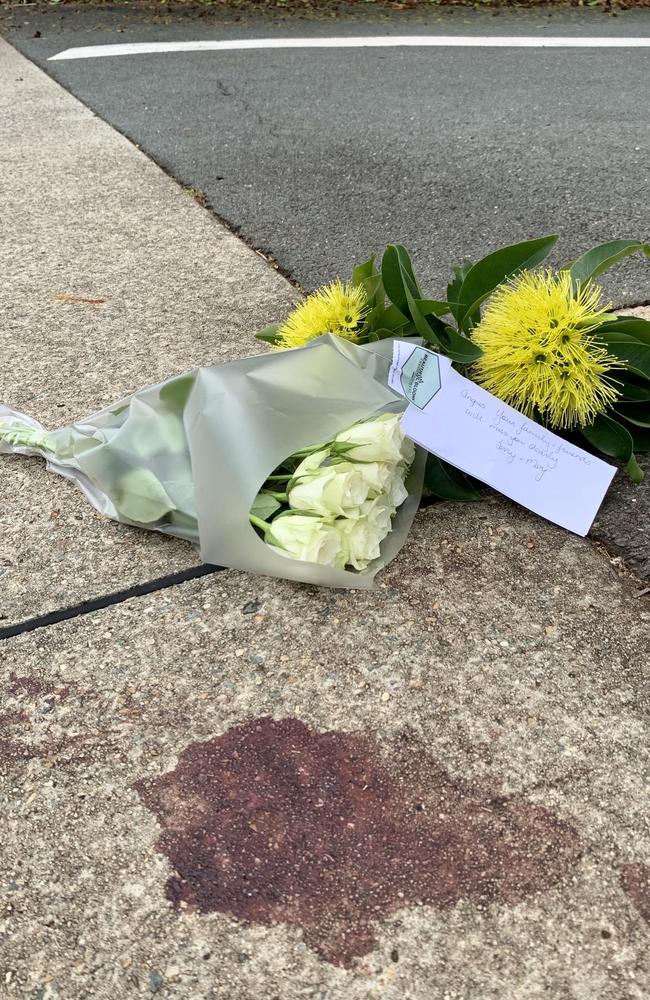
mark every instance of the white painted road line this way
{"type": "Point", "coordinates": [358, 42]}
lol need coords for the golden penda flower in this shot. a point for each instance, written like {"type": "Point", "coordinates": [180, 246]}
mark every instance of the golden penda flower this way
{"type": "Point", "coordinates": [336, 308]}
{"type": "Point", "coordinates": [541, 352]}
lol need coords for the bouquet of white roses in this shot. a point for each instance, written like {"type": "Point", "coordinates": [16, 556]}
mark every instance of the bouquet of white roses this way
{"type": "Point", "coordinates": [339, 499]}
{"type": "Point", "coordinates": [203, 457]}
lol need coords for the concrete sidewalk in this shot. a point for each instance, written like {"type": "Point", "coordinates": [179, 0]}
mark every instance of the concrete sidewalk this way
{"type": "Point", "coordinates": [242, 789]}
{"type": "Point", "coordinates": [86, 214]}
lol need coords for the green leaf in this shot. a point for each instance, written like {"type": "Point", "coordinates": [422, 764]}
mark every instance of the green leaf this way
{"type": "Point", "coordinates": [433, 307]}
{"type": "Point", "coordinates": [454, 287]}
{"type": "Point", "coordinates": [610, 437]}
{"type": "Point", "coordinates": [613, 439]}
{"type": "Point", "coordinates": [636, 414]}
{"type": "Point", "coordinates": [444, 481]}
{"type": "Point", "coordinates": [175, 393]}
{"type": "Point", "coordinates": [459, 348]}
{"type": "Point", "coordinates": [397, 275]}
{"type": "Point", "coordinates": [634, 470]}
{"type": "Point", "coordinates": [628, 326]}
{"type": "Point", "coordinates": [373, 286]}
{"type": "Point", "coordinates": [269, 334]}
{"type": "Point", "coordinates": [407, 270]}
{"type": "Point", "coordinates": [381, 319]}
{"type": "Point", "coordinates": [595, 261]}
{"type": "Point", "coordinates": [392, 318]}
{"type": "Point", "coordinates": [184, 523]}
{"type": "Point", "coordinates": [383, 334]}
{"type": "Point", "coordinates": [641, 439]}
{"type": "Point", "coordinates": [443, 337]}
{"type": "Point", "coordinates": [264, 506]}
{"type": "Point", "coordinates": [634, 354]}
{"type": "Point", "coordinates": [141, 497]}
{"type": "Point", "coordinates": [403, 291]}
{"type": "Point", "coordinates": [615, 337]}
{"type": "Point", "coordinates": [427, 327]}
{"type": "Point", "coordinates": [160, 432]}
{"type": "Point", "coordinates": [363, 271]}
{"type": "Point", "coordinates": [633, 391]}
{"type": "Point", "coordinates": [481, 280]}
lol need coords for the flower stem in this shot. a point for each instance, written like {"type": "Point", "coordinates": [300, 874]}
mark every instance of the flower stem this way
{"type": "Point", "coordinates": [259, 523]}
{"type": "Point", "coordinates": [308, 451]}
{"type": "Point", "coordinates": [282, 497]}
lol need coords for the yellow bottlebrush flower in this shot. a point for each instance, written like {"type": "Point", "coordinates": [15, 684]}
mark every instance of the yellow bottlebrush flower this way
{"type": "Point", "coordinates": [539, 350]}
{"type": "Point", "coordinates": [335, 308]}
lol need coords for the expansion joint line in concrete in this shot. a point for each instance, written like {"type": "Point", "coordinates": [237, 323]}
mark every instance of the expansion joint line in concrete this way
{"type": "Point", "coordinates": [119, 596]}
{"type": "Point", "coordinates": [99, 603]}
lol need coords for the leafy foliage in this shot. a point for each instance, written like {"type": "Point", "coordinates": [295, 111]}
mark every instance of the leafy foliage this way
{"type": "Point", "coordinates": [398, 307]}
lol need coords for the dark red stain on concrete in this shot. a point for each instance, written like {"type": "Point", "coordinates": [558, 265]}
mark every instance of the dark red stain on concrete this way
{"type": "Point", "coordinates": [22, 686]}
{"type": "Point", "coordinates": [635, 882]}
{"type": "Point", "coordinates": [13, 718]}
{"type": "Point", "coordinates": [273, 822]}
{"type": "Point", "coordinates": [26, 689]}
{"type": "Point", "coordinates": [25, 684]}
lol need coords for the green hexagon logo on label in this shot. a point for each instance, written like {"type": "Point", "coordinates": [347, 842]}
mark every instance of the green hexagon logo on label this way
{"type": "Point", "coordinates": [420, 377]}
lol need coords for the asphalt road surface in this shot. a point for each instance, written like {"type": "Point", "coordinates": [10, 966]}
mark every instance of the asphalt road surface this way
{"type": "Point", "coordinates": [319, 156]}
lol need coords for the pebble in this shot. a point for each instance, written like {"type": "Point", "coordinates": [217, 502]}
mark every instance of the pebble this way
{"type": "Point", "coordinates": [155, 981]}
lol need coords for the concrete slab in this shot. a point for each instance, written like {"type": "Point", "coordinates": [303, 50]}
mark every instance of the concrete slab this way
{"type": "Point", "coordinates": [501, 657]}
{"type": "Point", "coordinates": [88, 215]}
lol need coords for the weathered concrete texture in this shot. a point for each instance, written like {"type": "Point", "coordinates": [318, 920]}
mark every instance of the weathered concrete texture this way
{"type": "Point", "coordinates": [623, 522]}
{"type": "Point", "coordinates": [500, 655]}
{"type": "Point", "coordinates": [86, 214]}
{"type": "Point", "coordinates": [56, 550]}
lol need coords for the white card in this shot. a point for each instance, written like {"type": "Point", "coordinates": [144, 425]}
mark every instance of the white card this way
{"type": "Point", "coordinates": [471, 429]}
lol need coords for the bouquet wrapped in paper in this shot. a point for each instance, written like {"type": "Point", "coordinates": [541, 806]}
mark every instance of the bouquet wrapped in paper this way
{"type": "Point", "coordinates": [291, 464]}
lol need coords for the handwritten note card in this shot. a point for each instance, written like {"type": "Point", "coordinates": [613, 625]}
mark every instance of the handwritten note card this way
{"type": "Point", "coordinates": [471, 429]}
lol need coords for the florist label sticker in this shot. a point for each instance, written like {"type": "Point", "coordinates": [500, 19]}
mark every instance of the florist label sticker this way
{"type": "Point", "coordinates": [418, 373]}
{"type": "Point", "coordinates": [473, 430]}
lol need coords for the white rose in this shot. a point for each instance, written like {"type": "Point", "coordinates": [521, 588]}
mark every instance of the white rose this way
{"type": "Point", "coordinates": [396, 492]}
{"type": "Point", "coordinates": [377, 440]}
{"type": "Point", "coordinates": [312, 463]}
{"type": "Point", "coordinates": [380, 513]}
{"type": "Point", "coordinates": [312, 539]}
{"type": "Point", "coordinates": [384, 480]}
{"type": "Point", "coordinates": [331, 490]}
{"type": "Point", "coordinates": [378, 476]}
{"type": "Point", "coordinates": [408, 451]}
{"type": "Point", "coordinates": [362, 536]}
